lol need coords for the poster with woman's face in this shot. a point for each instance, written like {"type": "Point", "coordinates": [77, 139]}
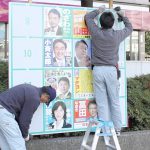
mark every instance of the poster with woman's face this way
{"type": "Point", "coordinates": [58, 115]}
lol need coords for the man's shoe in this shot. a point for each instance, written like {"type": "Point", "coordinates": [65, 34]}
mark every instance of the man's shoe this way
{"type": "Point", "coordinates": [118, 132]}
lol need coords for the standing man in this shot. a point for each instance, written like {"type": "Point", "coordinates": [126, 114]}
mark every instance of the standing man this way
{"type": "Point", "coordinates": [54, 20]}
{"type": "Point", "coordinates": [105, 46]}
{"type": "Point", "coordinates": [17, 106]}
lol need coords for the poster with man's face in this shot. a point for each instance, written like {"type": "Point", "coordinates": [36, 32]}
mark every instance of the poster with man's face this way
{"type": "Point", "coordinates": [82, 52]}
{"type": "Point", "coordinates": [84, 111]}
{"type": "Point", "coordinates": [61, 80]}
{"type": "Point", "coordinates": [53, 22]}
{"type": "Point", "coordinates": [57, 22]}
{"type": "Point", "coordinates": [58, 52]}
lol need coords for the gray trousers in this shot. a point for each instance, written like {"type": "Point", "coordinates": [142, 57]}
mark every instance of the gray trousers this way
{"type": "Point", "coordinates": [106, 89]}
{"type": "Point", "coordinates": [10, 134]}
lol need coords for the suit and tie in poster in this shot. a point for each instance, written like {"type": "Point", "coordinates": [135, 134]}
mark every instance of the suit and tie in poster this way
{"type": "Point", "coordinates": [58, 52]}
{"type": "Point", "coordinates": [61, 80]}
{"type": "Point", "coordinates": [57, 21]}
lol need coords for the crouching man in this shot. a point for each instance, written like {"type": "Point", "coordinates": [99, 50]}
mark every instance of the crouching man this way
{"type": "Point", "coordinates": [17, 106]}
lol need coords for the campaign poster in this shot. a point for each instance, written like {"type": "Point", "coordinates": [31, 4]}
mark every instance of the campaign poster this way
{"type": "Point", "coordinates": [61, 80]}
{"type": "Point", "coordinates": [84, 111]}
{"type": "Point", "coordinates": [58, 52]}
{"type": "Point", "coordinates": [57, 22]}
{"type": "Point", "coordinates": [58, 116]}
{"type": "Point", "coordinates": [80, 113]}
{"type": "Point", "coordinates": [83, 84]}
{"type": "Point", "coordinates": [82, 52]}
{"type": "Point", "coordinates": [79, 26]}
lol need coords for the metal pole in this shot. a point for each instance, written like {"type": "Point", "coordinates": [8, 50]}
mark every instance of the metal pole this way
{"type": "Point", "coordinates": [86, 3]}
{"type": "Point", "coordinates": [29, 1]}
{"type": "Point", "coordinates": [6, 44]}
{"type": "Point", "coordinates": [110, 4]}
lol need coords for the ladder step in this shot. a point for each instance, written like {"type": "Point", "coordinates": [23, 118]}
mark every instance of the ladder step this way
{"type": "Point", "coordinates": [104, 134]}
{"type": "Point", "coordinates": [105, 129]}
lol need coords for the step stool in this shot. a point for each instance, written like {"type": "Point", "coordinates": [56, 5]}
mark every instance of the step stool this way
{"type": "Point", "coordinates": [107, 129]}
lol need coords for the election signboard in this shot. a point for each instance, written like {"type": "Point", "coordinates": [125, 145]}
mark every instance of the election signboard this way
{"type": "Point", "coordinates": [51, 45]}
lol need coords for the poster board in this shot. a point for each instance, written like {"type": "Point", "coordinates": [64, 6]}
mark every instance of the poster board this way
{"type": "Point", "coordinates": [34, 49]}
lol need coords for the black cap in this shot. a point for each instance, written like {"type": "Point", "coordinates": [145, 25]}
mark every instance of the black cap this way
{"type": "Point", "coordinates": [51, 92]}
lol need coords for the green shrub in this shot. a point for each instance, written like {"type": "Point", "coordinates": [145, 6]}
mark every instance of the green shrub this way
{"type": "Point", "coordinates": [3, 76]}
{"type": "Point", "coordinates": [138, 93]}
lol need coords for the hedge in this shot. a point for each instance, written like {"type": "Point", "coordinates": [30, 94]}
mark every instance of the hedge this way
{"type": "Point", "coordinates": [138, 93]}
{"type": "Point", "coordinates": [3, 76]}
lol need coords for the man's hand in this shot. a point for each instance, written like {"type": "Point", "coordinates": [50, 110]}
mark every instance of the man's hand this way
{"type": "Point", "coordinates": [101, 8]}
{"type": "Point", "coordinates": [85, 61]}
{"type": "Point", "coordinates": [120, 13]}
{"type": "Point", "coordinates": [27, 138]}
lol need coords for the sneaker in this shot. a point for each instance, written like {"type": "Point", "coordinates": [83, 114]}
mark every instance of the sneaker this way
{"type": "Point", "coordinates": [118, 132]}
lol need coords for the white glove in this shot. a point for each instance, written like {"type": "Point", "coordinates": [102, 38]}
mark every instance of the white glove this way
{"type": "Point", "coordinates": [101, 8]}
{"type": "Point", "coordinates": [120, 13]}
{"type": "Point", "coordinates": [27, 138]}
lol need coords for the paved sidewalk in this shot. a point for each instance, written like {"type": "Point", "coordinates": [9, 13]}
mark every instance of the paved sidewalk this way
{"type": "Point", "coordinates": [139, 140]}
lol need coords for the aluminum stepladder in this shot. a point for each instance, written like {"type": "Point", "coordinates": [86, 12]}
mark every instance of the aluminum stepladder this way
{"type": "Point", "coordinates": [107, 129]}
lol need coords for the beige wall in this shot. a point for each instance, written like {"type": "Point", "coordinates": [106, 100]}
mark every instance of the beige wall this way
{"type": "Point", "coordinates": [133, 1]}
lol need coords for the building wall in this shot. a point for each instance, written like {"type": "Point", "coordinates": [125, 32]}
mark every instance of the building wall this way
{"type": "Point", "coordinates": [133, 1]}
{"type": "Point", "coordinates": [137, 68]}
